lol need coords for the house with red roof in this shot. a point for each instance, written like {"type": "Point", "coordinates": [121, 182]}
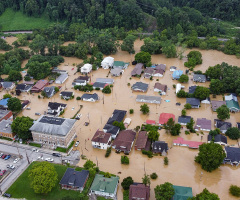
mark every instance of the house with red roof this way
{"type": "Point", "coordinates": [141, 141]}
{"type": "Point", "coordinates": [185, 143]}
{"type": "Point", "coordinates": [39, 86]}
{"type": "Point", "coordinates": [164, 117]}
{"type": "Point", "coordinates": [151, 122]}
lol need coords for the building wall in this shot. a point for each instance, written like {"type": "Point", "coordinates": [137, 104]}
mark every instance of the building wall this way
{"type": "Point", "coordinates": [101, 145]}
{"type": "Point", "coordinates": [9, 135]}
{"type": "Point", "coordinates": [7, 116]}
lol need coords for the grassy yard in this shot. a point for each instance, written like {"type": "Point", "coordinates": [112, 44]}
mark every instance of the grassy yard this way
{"type": "Point", "coordinates": [35, 144]}
{"type": "Point", "coordinates": [21, 187]}
{"type": "Point", "coordinates": [11, 21]}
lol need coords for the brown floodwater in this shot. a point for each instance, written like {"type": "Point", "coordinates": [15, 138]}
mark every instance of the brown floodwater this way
{"type": "Point", "coordinates": [182, 170]}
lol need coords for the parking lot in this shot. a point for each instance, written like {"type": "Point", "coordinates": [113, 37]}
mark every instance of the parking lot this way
{"type": "Point", "coordinates": [7, 166]}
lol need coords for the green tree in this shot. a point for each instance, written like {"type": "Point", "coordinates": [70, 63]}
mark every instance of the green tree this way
{"type": "Point", "coordinates": [127, 182]}
{"type": "Point", "coordinates": [201, 93]}
{"type": "Point", "coordinates": [107, 90]}
{"type": "Point", "coordinates": [39, 70]}
{"type": "Point", "coordinates": [223, 112]}
{"type": "Point", "coordinates": [21, 126]}
{"type": "Point", "coordinates": [187, 106]}
{"type": "Point", "coordinates": [144, 109]}
{"type": "Point", "coordinates": [153, 135]}
{"type": "Point", "coordinates": [43, 177]}
{"type": "Point", "coordinates": [205, 194]}
{"type": "Point", "coordinates": [234, 190]}
{"type": "Point", "coordinates": [27, 78]}
{"type": "Point", "coordinates": [14, 104]}
{"type": "Point", "coordinates": [183, 78]}
{"type": "Point", "coordinates": [182, 94]}
{"type": "Point", "coordinates": [214, 72]}
{"type": "Point", "coordinates": [210, 156]}
{"type": "Point", "coordinates": [14, 76]}
{"type": "Point", "coordinates": [216, 86]}
{"type": "Point", "coordinates": [215, 132]}
{"type": "Point", "coordinates": [164, 191]}
{"type": "Point", "coordinates": [143, 57]}
{"type": "Point", "coordinates": [89, 164]}
{"type": "Point", "coordinates": [169, 125]}
{"type": "Point", "coordinates": [5, 96]}
{"type": "Point", "coordinates": [194, 58]}
{"type": "Point", "coordinates": [175, 129]}
{"type": "Point", "coordinates": [146, 179]}
{"type": "Point", "coordinates": [119, 124]}
{"type": "Point", "coordinates": [190, 125]}
{"type": "Point", "coordinates": [107, 44]}
{"type": "Point", "coordinates": [151, 46]}
{"type": "Point", "coordinates": [169, 49]}
{"type": "Point", "coordinates": [125, 160]}
{"type": "Point", "coordinates": [38, 45]}
{"type": "Point", "coordinates": [184, 112]}
{"type": "Point", "coordinates": [233, 133]}
{"type": "Point", "coordinates": [128, 44]}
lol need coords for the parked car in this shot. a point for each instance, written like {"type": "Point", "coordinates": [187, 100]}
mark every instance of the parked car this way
{"type": "Point", "coordinates": [11, 167]}
{"type": "Point", "coordinates": [40, 157]}
{"type": "Point", "coordinates": [2, 172]}
{"type": "Point", "coordinates": [35, 150]}
{"type": "Point", "coordinates": [28, 108]}
{"type": "Point", "coordinates": [3, 156]}
{"type": "Point", "coordinates": [38, 114]}
{"type": "Point", "coordinates": [77, 143]}
{"type": "Point", "coordinates": [49, 159]}
{"type": "Point", "coordinates": [16, 160]}
{"type": "Point", "coordinates": [20, 141]}
{"type": "Point", "coordinates": [7, 157]}
{"type": "Point", "coordinates": [78, 116]}
{"type": "Point", "coordinates": [7, 195]}
{"type": "Point", "coordinates": [56, 154]}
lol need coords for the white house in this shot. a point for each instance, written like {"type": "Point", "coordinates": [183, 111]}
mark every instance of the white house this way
{"type": "Point", "coordinates": [61, 79]}
{"type": "Point", "coordinates": [173, 68]}
{"type": "Point", "coordinates": [107, 62]}
{"type": "Point", "coordinates": [90, 97]}
{"type": "Point", "coordinates": [178, 87]}
{"type": "Point", "coordinates": [101, 140]}
{"type": "Point", "coordinates": [87, 68]}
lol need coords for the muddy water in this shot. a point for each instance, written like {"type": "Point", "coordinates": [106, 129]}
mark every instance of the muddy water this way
{"type": "Point", "coordinates": [182, 169]}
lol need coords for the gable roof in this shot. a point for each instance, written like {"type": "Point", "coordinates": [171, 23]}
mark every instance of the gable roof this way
{"type": "Point", "coordinates": [7, 84]}
{"type": "Point", "coordinates": [218, 138]}
{"type": "Point", "coordinates": [62, 78]}
{"type": "Point", "coordinates": [116, 71]}
{"type": "Point", "coordinates": [99, 85]}
{"type": "Point", "coordinates": [184, 119]}
{"type": "Point", "coordinates": [103, 184]}
{"type": "Point", "coordinates": [124, 140]}
{"type": "Point", "coordinates": [149, 70]}
{"type": "Point", "coordinates": [66, 94]}
{"type": "Point", "coordinates": [192, 89]}
{"type": "Point", "coordinates": [5, 126]}
{"type": "Point", "coordinates": [86, 78]}
{"type": "Point", "coordinates": [139, 191]}
{"type": "Point", "coordinates": [193, 101]}
{"type": "Point", "coordinates": [118, 115]}
{"type": "Point", "coordinates": [160, 87]}
{"type": "Point", "coordinates": [105, 80]}
{"type": "Point", "coordinates": [159, 71]}
{"type": "Point", "coordinates": [111, 129]}
{"type": "Point", "coordinates": [161, 67]}
{"type": "Point", "coordinates": [159, 146]}
{"type": "Point", "coordinates": [204, 123]}
{"type": "Point", "coordinates": [55, 105]}
{"type": "Point", "coordinates": [177, 74]}
{"type": "Point", "coordinates": [137, 69]}
{"type": "Point", "coordinates": [140, 86]}
{"type": "Point", "coordinates": [40, 85]}
{"type": "Point", "coordinates": [148, 121]}
{"type": "Point", "coordinates": [230, 97]}
{"type": "Point", "coordinates": [182, 193]}
{"type": "Point", "coordinates": [4, 102]}
{"type": "Point", "coordinates": [74, 178]}
{"type": "Point", "coordinates": [148, 99]}
{"type": "Point", "coordinates": [233, 105]}
{"type": "Point", "coordinates": [217, 104]}
{"type": "Point", "coordinates": [49, 91]}
{"type": "Point", "coordinates": [190, 144]}
{"type": "Point", "coordinates": [101, 137]}
{"type": "Point", "coordinates": [199, 77]}
{"type": "Point", "coordinates": [89, 96]}
{"type": "Point", "coordinates": [222, 125]}
{"type": "Point", "coordinates": [141, 140]}
{"type": "Point", "coordinates": [164, 117]}
{"type": "Point", "coordinates": [23, 87]}
{"type": "Point", "coordinates": [233, 154]}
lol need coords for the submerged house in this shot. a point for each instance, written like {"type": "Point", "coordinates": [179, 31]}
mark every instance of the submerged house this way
{"type": "Point", "coordinates": [86, 68]}
{"type": "Point", "coordinates": [182, 193]}
{"type": "Point", "coordinates": [38, 87]}
{"type": "Point", "coordinates": [140, 87]}
{"type": "Point", "coordinates": [101, 140]}
{"type": "Point", "coordinates": [194, 102]}
{"type": "Point", "coordinates": [120, 65]}
{"type": "Point", "coordinates": [164, 117]}
{"type": "Point", "coordinates": [90, 97]}
{"type": "Point", "coordinates": [176, 74]}
{"type": "Point", "coordinates": [61, 79]}
{"type": "Point", "coordinates": [148, 99]}
{"type": "Point", "coordinates": [183, 120]}
{"type": "Point", "coordinates": [137, 71]}
{"type": "Point", "coordinates": [186, 143]}
{"type": "Point", "coordinates": [233, 106]}
{"type": "Point", "coordinates": [232, 156]}
{"type": "Point", "coordinates": [139, 191]}
{"type": "Point", "coordinates": [199, 78]}
{"type": "Point", "coordinates": [161, 88]}
{"type": "Point", "coordinates": [217, 104]}
{"type": "Point", "coordinates": [55, 109]}
{"type": "Point", "coordinates": [116, 72]}
{"type": "Point", "coordinates": [203, 124]}
{"type": "Point", "coordinates": [49, 91]}
{"type": "Point", "coordinates": [219, 139]}
{"type": "Point", "coordinates": [141, 140]}
{"type": "Point", "coordinates": [160, 147]}
{"type": "Point", "coordinates": [107, 62]}
{"type": "Point", "coordinates": [222, 125]}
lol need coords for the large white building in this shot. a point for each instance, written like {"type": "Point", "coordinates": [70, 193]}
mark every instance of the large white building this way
{"type": "Point", "coordinates": [107, 62]}
{"type": "Point", "coordinates": [86, 69]}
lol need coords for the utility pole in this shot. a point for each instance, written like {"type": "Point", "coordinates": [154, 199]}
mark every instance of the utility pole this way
{"type": "Point", "coordinates": [27, 157]}
{"type": "Point", "coordinates": [103, 98]}
{"type": "Point", "coordinates": [97, 161]}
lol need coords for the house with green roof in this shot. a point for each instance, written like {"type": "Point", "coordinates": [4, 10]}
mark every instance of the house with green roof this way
{"type": "Point", "coordinates": [182, 193]}
{"type": "Point", "coordinates": [105, 187]}
{"type": "Point", "coordinates": [120, 64]}
{"type": "Point", "coordinates": [233, 106]}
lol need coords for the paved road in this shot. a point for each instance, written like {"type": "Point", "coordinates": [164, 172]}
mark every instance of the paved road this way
{"type": "Point", "coordinates": [28, 156]}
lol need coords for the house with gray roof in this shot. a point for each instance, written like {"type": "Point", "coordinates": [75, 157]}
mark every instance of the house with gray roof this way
{"type": "Point", "coordinates": [222, 125]}
{"type": "Point", "coordinates": [5, 128]}
{"type": "Point", "coordinates": [218, 139]}
{"type": "Point", "coordinates": [148, 99]}
{"type": "Point", "coordinates": [137, 71]}
{"type": "Point", "coordinates": [183, 120]}
{"type": "Point", "coordinates": [53, 132]}
{"type": "Point", "coordinates": [199, 78]}
{"type": "Point", "coordinates": [49, 91]}
{"type": "Point", "coordinates": [23, 87]}
{"type": "Point", "coordinates": [74, 180]}
{"type": "Point", "coordinates": [116, 72]}
{"type": "Point", "coordinates": [61, 79]}
{"type": "Point", "coordinates": [90, 97]}
{"type": "Point", "coordinates": [217, 104]}
{"type": "Point", "coordinates": [109, 81]}
{"type": "Point", "coordinates": [148, 72]}
{"type": "Point", "coordinates": [99, 85]}
{"type": "Point", "coordinates": [8, 85]}
{"type": "Point", "coordinates": [192, 89]}
{"type": "Point", "coordinates": [203, 124]}
{"type": "Point", "coordinates": [66, 95]}
{"type": "Point", "coordinates": [194, 102]}
{"type": "Point", "coordinates": [232, 156]}
{"type": "Point", "coordinates": [55, 109]}
{"type": "Point", "coordinates": [140, 87]}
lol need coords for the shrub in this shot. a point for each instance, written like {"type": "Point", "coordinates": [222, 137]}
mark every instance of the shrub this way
{"type": "Point", "coordinates": [187, 133]}
{"type": "Point", "coordinates": [131, 111]}
{"type": "Point", "coordinates": [128, 84]}
{"type": "Point", "coordinates": [108, 152]}
{"type": "Point", "coordinates": [106, 90]}
{"type": "Point", "coordinates": [125, 160]}
{"type": "Point", "coordinates": [151, 78]}
{"type": "Point", "coordinates": [165, 160]}
{"type": "Point", "coordinates": [148, 153]}
{"type": "Point", "coordinates": [154, 176]}
{"type": "Point", "coordinates": [78, 98]}
{"type": "Point", "coordinates": [97, 88]}
{"type": "Point", "coordinates": [187, 106]}
{"type": "Point", "coordinates": [174, 86]}
{"type": "Point", "coordinates": [234, 190]}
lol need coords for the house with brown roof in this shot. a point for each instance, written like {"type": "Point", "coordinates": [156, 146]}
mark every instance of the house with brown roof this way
{"type": "Point", "coordinates": [101, 140]}
{"type": "Point", "coordinates": [158, 73]}
{"type": "Point", "coordinates": [161, 88]}
{"type": "Point", "coordinates": [203, 124]}
{"type": "Point", "coordinates": [124, 141]}
{"type": "Point", "coordinates": [137, 71]}
{"type": "Point", "coordinates": [161, 66]}
{"type": "Point", "coordinates": [39, 86]}
{"type": "Point", "coordinates": [148, 72]}
{"type": "Point", "coordinates": [139, 191]}
{"type": "Point", "coordinates": [217, 104]}
{"type": "Point", "coordinates": [141, 140]}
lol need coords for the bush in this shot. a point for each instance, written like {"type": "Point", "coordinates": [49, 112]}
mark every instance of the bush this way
{"type": "Point", "coordinates": [128, 84]}
{"type": "Point", "coordinates": [187, 133]}
{"type": "Point", "coordinates": [165, 160]}
{"type": "Point", "coordinates": [131, 111]}
{"type": "Point", "coordinates": [174, 86]}
{"type": "Point", "coordinates": [97, 88]}
{"type": "Point", "coordinates": [125, 160]}
{"type": "Point", "coordinates": [106, 90]}
{"type": "Point", "coordinates": [78, 98]}
{"type": "Point", "coordinates": [127, 182]}
{"type": "Point", "coordinates": [108, 152]}
{"type": "Point", "coordinates": [234, 190]}
{"type": "Point", "coordinates": [187, 106]}
{"type": "Point", "coordinates": [148, 153]}
{"type": "Point", "coordinates": [154, 176]}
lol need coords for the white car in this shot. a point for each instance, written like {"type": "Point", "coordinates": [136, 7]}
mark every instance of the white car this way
{"type": "Point", "coordinates": [16, 160]}
{"type": "Point", "coordinates": [40, 158]}
{"type": "Point", "coordinates": [11, 167]}
{"type": "Point", "coordinates": [77, 143]}
{"type": "Point", "coordinates": [49, 159]}
{"type": "Point", "coordinates": [35, 150]}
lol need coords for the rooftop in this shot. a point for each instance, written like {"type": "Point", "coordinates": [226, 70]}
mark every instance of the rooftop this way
{"type": "Point", "coordinates": [164, 117]}
{"type": "Point", "coordinates": [5, 126]}
{"type": "Point", "coordinates": [141, 140]}
{"type": "Point", "coordinates": [101, 137]}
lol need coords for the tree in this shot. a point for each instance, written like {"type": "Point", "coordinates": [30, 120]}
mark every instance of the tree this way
{"type": "Point", "coordinates": [194, 58]}
{"type": "Point", "coordinates": [182, 94]}
{"type": "Point", "coordinates": [119, 124]}
{"type": "Point", "coordinates": [143, 57]}
{"type": "Point", "coordinates": [107, 44]}
{"type": "Point", "coordinates": [169, 49]}
{"type": "Point", "coordinates": [183, 78]}
{"type": "Point", "coordinates": [153, 135]}
{"type": "Point", "coordinates": [215, 132]}
{"type": "Point", "coordinates": [38, 45]}
{"type": "Point", "coordinates": [175, 129]}
{"type": "Point", "coordinates": [27, 78]}
{"type": "Point", "coordinates": [164, 191]}
{"type": "Point", "coordinates": [190, 125]}
{"type": "Point", "coordinates": [233, 133]}
{"type": "Point", "coordinates": [151, 46]}
{"type": "Point", "coordinates": [169, 125]}
{"type": "Point", "coordinates": [14, 104]}
{"type": "Point", "coordinates": [210, 156]}
{"type": "Point", "coordinates": [107, 90]}
{"type": "Point", "coordinates": [205, 194]}
{"type": "Point", "coordinates": [89, 164]}
{"type": "Point", "coordinates": [39, 70]}
{"type": "Point", "coordinates": [201, 93]}
{"type": "Point", "coordinates": [5, 96]}
{"type": "Point", "coordinates": [216, 86]}
{"type": "Point", "coordinates": [128, 44]}
{"type": "Point", "coordinates": [223, 112]}
{"type": "Point", "coordinates": [21, 126]}
{"type": "Point", "coordinates": [184, 112]}
{"type": "Point", "coordinates": [187, 106]}
{"type": "Point", "coordinates": [234, 190]}
{"type": "Point", "coordinates": [144, 109]}
{"type": "Point", "coordinates": [127, 182]}
{"type": "Point", "coordinates": [125, 160]}
{"type": "Point", "coordinates": [146, 180]}
{"type": "Point", "coordinates": [43, 177]}
{"type": "Point", "coordinates": [14, 76]}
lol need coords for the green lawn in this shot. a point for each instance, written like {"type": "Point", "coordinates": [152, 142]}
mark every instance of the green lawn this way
{"type": "Point", "coordinates": [35, 144]}
{"type": "Point", "coordinates": [21, 187]}
{"type": "Point", "coordinates": [11, 21]}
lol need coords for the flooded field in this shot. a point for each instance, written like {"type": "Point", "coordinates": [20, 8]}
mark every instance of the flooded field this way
{"type": "Point", "coordinates": [182, 170]}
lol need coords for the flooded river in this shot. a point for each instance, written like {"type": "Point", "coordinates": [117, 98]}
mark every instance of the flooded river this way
{"type": "Point", "coordinates": [182, 170]}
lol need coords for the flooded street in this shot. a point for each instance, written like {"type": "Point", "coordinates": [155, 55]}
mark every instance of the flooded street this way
{"type": "Point", "coordinates": [182, 170]}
